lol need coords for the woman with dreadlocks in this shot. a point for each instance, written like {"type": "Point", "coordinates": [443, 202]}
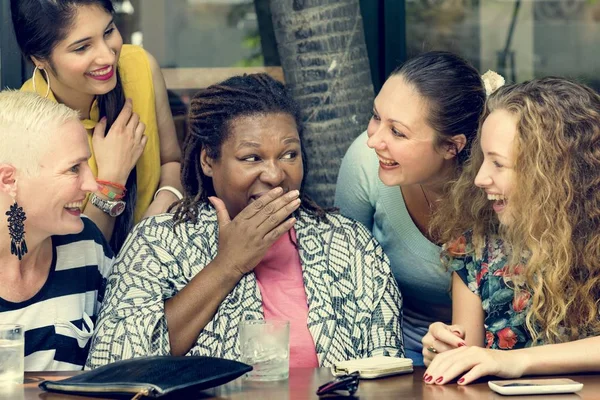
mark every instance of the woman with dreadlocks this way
{"type": "Point", "coordinates": [246, 239]}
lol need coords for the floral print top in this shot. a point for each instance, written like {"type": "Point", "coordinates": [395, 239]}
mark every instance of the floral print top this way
{"type": "Point", "coordinates": [487, 276]}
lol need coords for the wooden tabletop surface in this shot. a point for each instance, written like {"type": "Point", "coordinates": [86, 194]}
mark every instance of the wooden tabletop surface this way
{"type": "Point", "coordinates": [303, 383]}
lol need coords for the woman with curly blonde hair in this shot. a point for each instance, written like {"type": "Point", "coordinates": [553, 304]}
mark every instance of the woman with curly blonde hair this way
{"type": "Point", "coordinates": [527, 272]}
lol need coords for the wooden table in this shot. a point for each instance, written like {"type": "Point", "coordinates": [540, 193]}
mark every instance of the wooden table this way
{"type": "Point", "coordinates": [303, 383]}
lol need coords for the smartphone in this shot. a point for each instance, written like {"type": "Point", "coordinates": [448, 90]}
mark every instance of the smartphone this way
{"type": "Point", "coordinates": [535, 386]}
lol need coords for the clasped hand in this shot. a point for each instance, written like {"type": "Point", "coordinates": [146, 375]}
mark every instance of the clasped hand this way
{"type": "Point", "coordinates": [441, 338]}
{"type": "Point", "coordinates": [447, 357]}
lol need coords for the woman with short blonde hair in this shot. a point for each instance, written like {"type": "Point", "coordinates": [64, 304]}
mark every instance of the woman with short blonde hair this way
{"type": "Point", "coordinates": [54, 262]}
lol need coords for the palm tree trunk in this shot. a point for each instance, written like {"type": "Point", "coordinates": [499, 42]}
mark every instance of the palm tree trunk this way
{"type": "Point", "coordinates": [324, 58]}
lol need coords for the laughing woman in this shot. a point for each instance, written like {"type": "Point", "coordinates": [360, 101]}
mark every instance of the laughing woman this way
{"type": "Point", "coordinates": [396, 174]}
{"type": "Point", "coordinates": [54, 262]}
{"type": "Point", "coordinates": [119, 91]}
{"type": "Point", "coordinates": [526, 285]}
{"type": "Point", "coordinates": [246, 238]}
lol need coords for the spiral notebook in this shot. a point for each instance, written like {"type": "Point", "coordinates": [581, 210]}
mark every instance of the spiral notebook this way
{"type": "Point", "coordinates": [151, 377]}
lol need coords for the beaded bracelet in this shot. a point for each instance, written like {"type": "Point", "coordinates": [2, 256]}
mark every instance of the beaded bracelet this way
{"type": "Point", "coordinates": [110, 194]}
{"type": "Point", "coordinates": [113, 184]}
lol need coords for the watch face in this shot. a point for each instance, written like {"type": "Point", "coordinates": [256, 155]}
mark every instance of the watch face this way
{"type": "Point", "coordinates": [117, 209]}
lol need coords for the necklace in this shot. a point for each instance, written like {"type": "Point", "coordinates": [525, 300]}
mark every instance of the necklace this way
{"type": "Point", "coordinates": [424, 195]}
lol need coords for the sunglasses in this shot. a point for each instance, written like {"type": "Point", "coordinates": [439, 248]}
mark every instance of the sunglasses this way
{"type": "Point", "coordinates": [348, 383]}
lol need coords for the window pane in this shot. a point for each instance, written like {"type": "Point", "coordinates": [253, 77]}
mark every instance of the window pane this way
{"type": "Point", "coordinates": [193, 33]}
{"type": "Point", "coordinates": [520, 39]}
{"type": "Point", "coordinates": [196, 42]}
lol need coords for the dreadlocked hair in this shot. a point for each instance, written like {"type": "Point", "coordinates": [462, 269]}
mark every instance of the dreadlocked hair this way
{"type": "Point", "coordinates": [209, 120]}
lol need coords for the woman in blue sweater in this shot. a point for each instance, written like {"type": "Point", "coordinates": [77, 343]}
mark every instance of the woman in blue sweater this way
{"type": "Point", "coordinates": [394, 176]}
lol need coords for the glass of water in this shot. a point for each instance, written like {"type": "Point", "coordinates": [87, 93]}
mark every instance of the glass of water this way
{"type": "Point", "coordinates": [265, 345]}
{"type": "Point", "coordinates": [12, 354]}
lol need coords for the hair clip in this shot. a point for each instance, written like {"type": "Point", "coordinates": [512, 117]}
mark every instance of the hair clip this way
{"type": "Point", "coordinates": [347, 383]}
{"type": "Point", "coordinates": [492, 81]}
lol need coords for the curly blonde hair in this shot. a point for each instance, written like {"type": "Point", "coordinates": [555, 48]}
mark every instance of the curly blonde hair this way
{"type": "Point", "coordinates": [555, 203]}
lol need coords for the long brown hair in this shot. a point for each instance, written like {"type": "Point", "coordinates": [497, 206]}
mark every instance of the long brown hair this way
{"type": "Point", "coordinates": [454, 93]}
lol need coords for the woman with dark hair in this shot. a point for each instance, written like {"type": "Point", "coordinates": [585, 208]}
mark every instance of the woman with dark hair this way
{"type": "Point", "coordinates": [119, 91]}
{"type": "Point", "coordinates": [394, 176]}
{"type": "Point", "coordinates": [246, 239]}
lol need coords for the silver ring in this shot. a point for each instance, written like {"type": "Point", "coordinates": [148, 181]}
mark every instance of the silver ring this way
{"type": "Point", "coordinates": [432, 349]}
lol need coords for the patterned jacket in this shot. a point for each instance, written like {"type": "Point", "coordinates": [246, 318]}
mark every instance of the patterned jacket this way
{"type": "Point", "coordinates": [354, 305]}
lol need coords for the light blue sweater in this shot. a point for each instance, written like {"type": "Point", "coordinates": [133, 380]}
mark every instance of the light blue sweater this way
{"type": "Point", "coordinates": [415, 261]}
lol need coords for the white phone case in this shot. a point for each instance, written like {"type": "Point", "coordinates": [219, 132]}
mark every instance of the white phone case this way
{"type": "Point", "coordinates": [535, 386]}
{"type": "Point", "coordinates": [374, 367]}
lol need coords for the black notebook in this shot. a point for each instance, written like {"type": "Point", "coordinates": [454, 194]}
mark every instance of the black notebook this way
{"type": "Point", "coordinates": [151, 377]}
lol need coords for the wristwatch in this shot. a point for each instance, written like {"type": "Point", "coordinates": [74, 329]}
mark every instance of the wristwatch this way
{"type": "Point", "coordinates": [111, 207]}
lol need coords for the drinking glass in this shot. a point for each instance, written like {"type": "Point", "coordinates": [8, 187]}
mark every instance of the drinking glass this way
{"type": "Point", "coordinates": [265, 345]}
{"type": "Point", "coordinates": [12, 354]}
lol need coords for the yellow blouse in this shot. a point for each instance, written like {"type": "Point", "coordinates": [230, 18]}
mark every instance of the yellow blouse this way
{"type": "Point", "coordinates": [136, 77]}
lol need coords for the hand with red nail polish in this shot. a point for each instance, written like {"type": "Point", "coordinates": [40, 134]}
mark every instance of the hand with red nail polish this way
{"type": "Point", "coordinates": [473, 362]}
{"type": "Point", "coordinates": [441, 338]}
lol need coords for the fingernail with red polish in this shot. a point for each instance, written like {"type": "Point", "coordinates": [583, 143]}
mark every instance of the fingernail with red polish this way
{"type": "Point", "coordinates": [439, 380]}
{"type": "Point", "coordinates": [425, 376]}
{"type": "Point", "coordinates": [461, 344]}
{"type": "Point", "coordinates": [461, 380]}
{"type": "Point", "coordinates": [429, 378]}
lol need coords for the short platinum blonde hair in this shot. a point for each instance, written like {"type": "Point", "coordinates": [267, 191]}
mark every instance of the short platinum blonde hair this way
{"type": "Point", "coordinates": [28, 123]}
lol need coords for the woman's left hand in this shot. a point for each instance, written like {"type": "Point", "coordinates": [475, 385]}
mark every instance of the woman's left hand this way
{"type": "Point", "coordinates": [476, 362]}
{"type": "Point", "coordinates": [441, 338]}
{"type": "Point", "coordinates": [161, 204]}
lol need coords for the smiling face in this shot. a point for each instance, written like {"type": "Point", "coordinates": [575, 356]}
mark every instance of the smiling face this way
{"type": "Point", "coordinates": [84, 63]}
{"type": "Point", "coordinates": [52, 199]}
{"type": "Point", "coordinates": [261, 152]}
{"type": "Point", "coordinates": [401, 137]}
{"type": "Point", "coordinates": [496, 174]}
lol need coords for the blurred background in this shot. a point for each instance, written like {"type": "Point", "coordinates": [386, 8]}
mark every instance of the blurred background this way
{"type": "Point", "coordinates": [201, 42]}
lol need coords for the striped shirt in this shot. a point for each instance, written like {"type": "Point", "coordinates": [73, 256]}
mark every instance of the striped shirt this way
{"type": "Point", "coordinates": [59, 319]}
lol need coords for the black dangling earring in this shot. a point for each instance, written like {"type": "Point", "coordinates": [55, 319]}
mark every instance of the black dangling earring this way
{"type": "Point", "coordinates": [16, 217]}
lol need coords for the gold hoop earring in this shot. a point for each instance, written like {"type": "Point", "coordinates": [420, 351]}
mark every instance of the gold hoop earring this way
{"type": "Point", "coordinates": [47, 80]}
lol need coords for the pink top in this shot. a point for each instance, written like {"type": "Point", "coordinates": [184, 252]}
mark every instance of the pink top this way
{"type": "Point", "coordinates": [279, 277]}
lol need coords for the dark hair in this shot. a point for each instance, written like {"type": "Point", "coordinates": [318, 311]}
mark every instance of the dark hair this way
{"type": "Point", "coordinates": [39, 26]}
{"type": "Point", "coordinates": [454, 91]}
{"type": "Point", "coordinates": [209, 120]}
